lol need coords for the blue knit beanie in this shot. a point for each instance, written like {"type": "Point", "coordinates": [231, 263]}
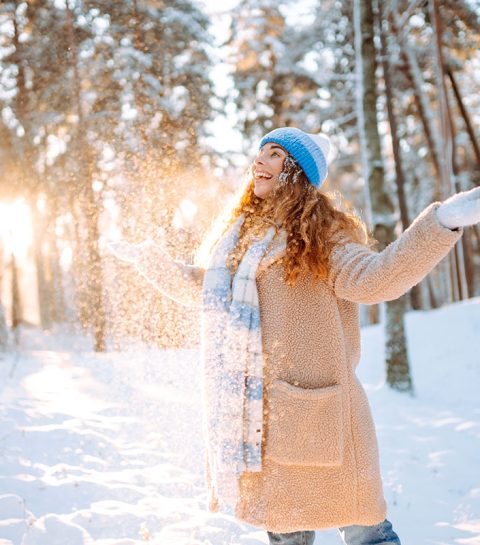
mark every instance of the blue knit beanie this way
{"type": "Point", "coordinates": [309, 150]}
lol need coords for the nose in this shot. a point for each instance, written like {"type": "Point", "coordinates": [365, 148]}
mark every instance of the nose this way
{"type": "Point", "coordinates": [258, 159]}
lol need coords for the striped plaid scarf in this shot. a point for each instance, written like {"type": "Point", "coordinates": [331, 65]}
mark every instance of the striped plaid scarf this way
{"type": "Point", "coordinates": [233, 365]}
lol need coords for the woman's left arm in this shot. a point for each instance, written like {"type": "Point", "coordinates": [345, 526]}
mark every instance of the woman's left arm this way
{"type": "Point", "coordinates": [176, 280]}
{"type": "Point", "coordinates": [364, 276]}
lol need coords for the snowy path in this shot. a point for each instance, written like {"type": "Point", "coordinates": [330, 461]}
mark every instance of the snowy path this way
{"type": "Point", "coordinates": [108, 444]}
{"type": "Point", "coordinates": [107, 449]}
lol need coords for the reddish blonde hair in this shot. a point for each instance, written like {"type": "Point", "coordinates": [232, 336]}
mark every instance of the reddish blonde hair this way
{"type": "Point", "coordinates": [310, 217]}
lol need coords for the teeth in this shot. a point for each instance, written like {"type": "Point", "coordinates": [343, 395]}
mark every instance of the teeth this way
{"type": "Point", "coordinates": [262, 175]}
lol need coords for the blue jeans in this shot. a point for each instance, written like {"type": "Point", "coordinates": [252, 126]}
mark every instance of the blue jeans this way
{"type": "Point", "coordinates": [379, 534]}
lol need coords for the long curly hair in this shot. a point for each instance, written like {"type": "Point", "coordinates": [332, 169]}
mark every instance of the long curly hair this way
{"type": "Point", "coordinates": [312, 219]}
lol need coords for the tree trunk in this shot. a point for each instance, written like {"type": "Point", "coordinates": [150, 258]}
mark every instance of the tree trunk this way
{"type": "Point", "coordinates": [466, 116]}
{"type": "Point", "coordinates": [441, 290]}
{"type": "Point", "coordinates": [466, 239]}
{"type": "Point", "coordinates": [58, 297]}
{"type": "Point", "coordinates": [379, 202]}
{"type": "Point", "coordinates": [30, 180]}
{"type": "Point", "coordinates": [44, 307]}
{"type": "Point", "coordinates": [89, 206]}
{"type": "Point", "coordinates": [3, 330]}
{"type": "Point", "coordinates": [16, 310]}
{"type": "Point", "coordinates": [414, 75]}
{"type": "Point", "coordinates": [141, 122]}
{"type": "Point", "coordinates": [415, 295]}
{"type": "Point", "coordinates": [52, 263]}
{"type": "Point", "coordinates": [476, 234]}
{"type": "Point", "coordinates": [431, 294]}
{"type": "Point", "coordinates": [4, 336]}
{"type": "Point", "coordinates": [469, 261]}
{"type": "Point", "coordinates": [448, 160]}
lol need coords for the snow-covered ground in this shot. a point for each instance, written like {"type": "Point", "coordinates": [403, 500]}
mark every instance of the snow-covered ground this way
{"type": "Point", "coordinates": [107, 449]}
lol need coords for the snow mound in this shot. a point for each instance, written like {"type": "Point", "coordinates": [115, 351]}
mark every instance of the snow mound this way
{"type": "Point", "coordinates": [115, 542]}
{"type": "Point", "coordinates": [14, 519]}
{"type": "Point", "coordinates": [13, 507]}
{"type": "Point", "coordinates": [55, 530]}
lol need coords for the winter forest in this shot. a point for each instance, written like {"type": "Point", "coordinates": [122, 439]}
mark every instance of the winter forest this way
{"type": "Point", "coordinates": [138, 119]}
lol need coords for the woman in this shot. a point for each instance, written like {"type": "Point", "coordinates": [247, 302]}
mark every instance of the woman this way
{"type": "Point", "coordinates": [290, 441]}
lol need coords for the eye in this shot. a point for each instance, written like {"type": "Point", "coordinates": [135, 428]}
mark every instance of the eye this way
{"type": "Point", "coordinates": [275, 153]}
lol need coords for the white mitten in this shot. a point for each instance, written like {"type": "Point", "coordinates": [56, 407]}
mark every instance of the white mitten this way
{"type": "Point", "coordinates": [460, 209]}
{"type": "Point", "coordinates": [131, 252]}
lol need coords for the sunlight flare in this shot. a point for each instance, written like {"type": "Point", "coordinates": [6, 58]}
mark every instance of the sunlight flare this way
{"type": "Point", "coordinates": [15, 227]}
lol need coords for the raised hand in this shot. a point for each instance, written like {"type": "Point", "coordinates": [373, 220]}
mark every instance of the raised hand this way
{"type": "Point", "coordinates": [460, 209]}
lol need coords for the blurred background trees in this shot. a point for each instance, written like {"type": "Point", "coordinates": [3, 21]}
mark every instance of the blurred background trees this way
{"type": "Point", "coordinates": [103, 106]}
{"type": "Point", "coordinates": [109, 128]}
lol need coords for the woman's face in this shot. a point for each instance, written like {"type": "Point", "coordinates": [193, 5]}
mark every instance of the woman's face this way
{"type": "Point", "coordinates": [266, 168]}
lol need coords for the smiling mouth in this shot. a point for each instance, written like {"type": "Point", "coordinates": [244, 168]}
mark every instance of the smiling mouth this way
{"type": "Point", "coordinates": [262, 176]}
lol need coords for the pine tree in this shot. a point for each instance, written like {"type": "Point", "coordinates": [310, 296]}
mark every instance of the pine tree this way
{"type": "Point", "coordinates": [273, 87]}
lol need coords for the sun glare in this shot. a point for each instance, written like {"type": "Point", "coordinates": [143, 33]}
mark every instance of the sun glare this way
{"type": "Point", "coordinates": [15, 227]}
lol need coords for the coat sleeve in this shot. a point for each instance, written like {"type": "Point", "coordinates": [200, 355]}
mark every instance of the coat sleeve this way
{"type": "Point", "coordinates": [180, 282]}
{"type": "Point", "coordinates": [362, 275]}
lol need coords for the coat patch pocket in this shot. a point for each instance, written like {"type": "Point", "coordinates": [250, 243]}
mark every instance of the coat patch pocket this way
{"type": "Point", "coordinates": [305, 425]}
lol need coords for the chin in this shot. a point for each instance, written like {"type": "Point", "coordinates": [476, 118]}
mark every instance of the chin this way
{"type": "Point", "coordinates": [259, 194]}
{"type": "Point", "coordinates": [262, 193]}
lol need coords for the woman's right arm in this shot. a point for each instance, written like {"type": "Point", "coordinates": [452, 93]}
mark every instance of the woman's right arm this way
{"type": "Point", "coordinates": [176, 280]}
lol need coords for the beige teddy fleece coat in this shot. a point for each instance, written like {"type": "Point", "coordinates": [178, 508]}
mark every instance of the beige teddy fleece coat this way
{"type": "Point", "coordinates": [320, 454]}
